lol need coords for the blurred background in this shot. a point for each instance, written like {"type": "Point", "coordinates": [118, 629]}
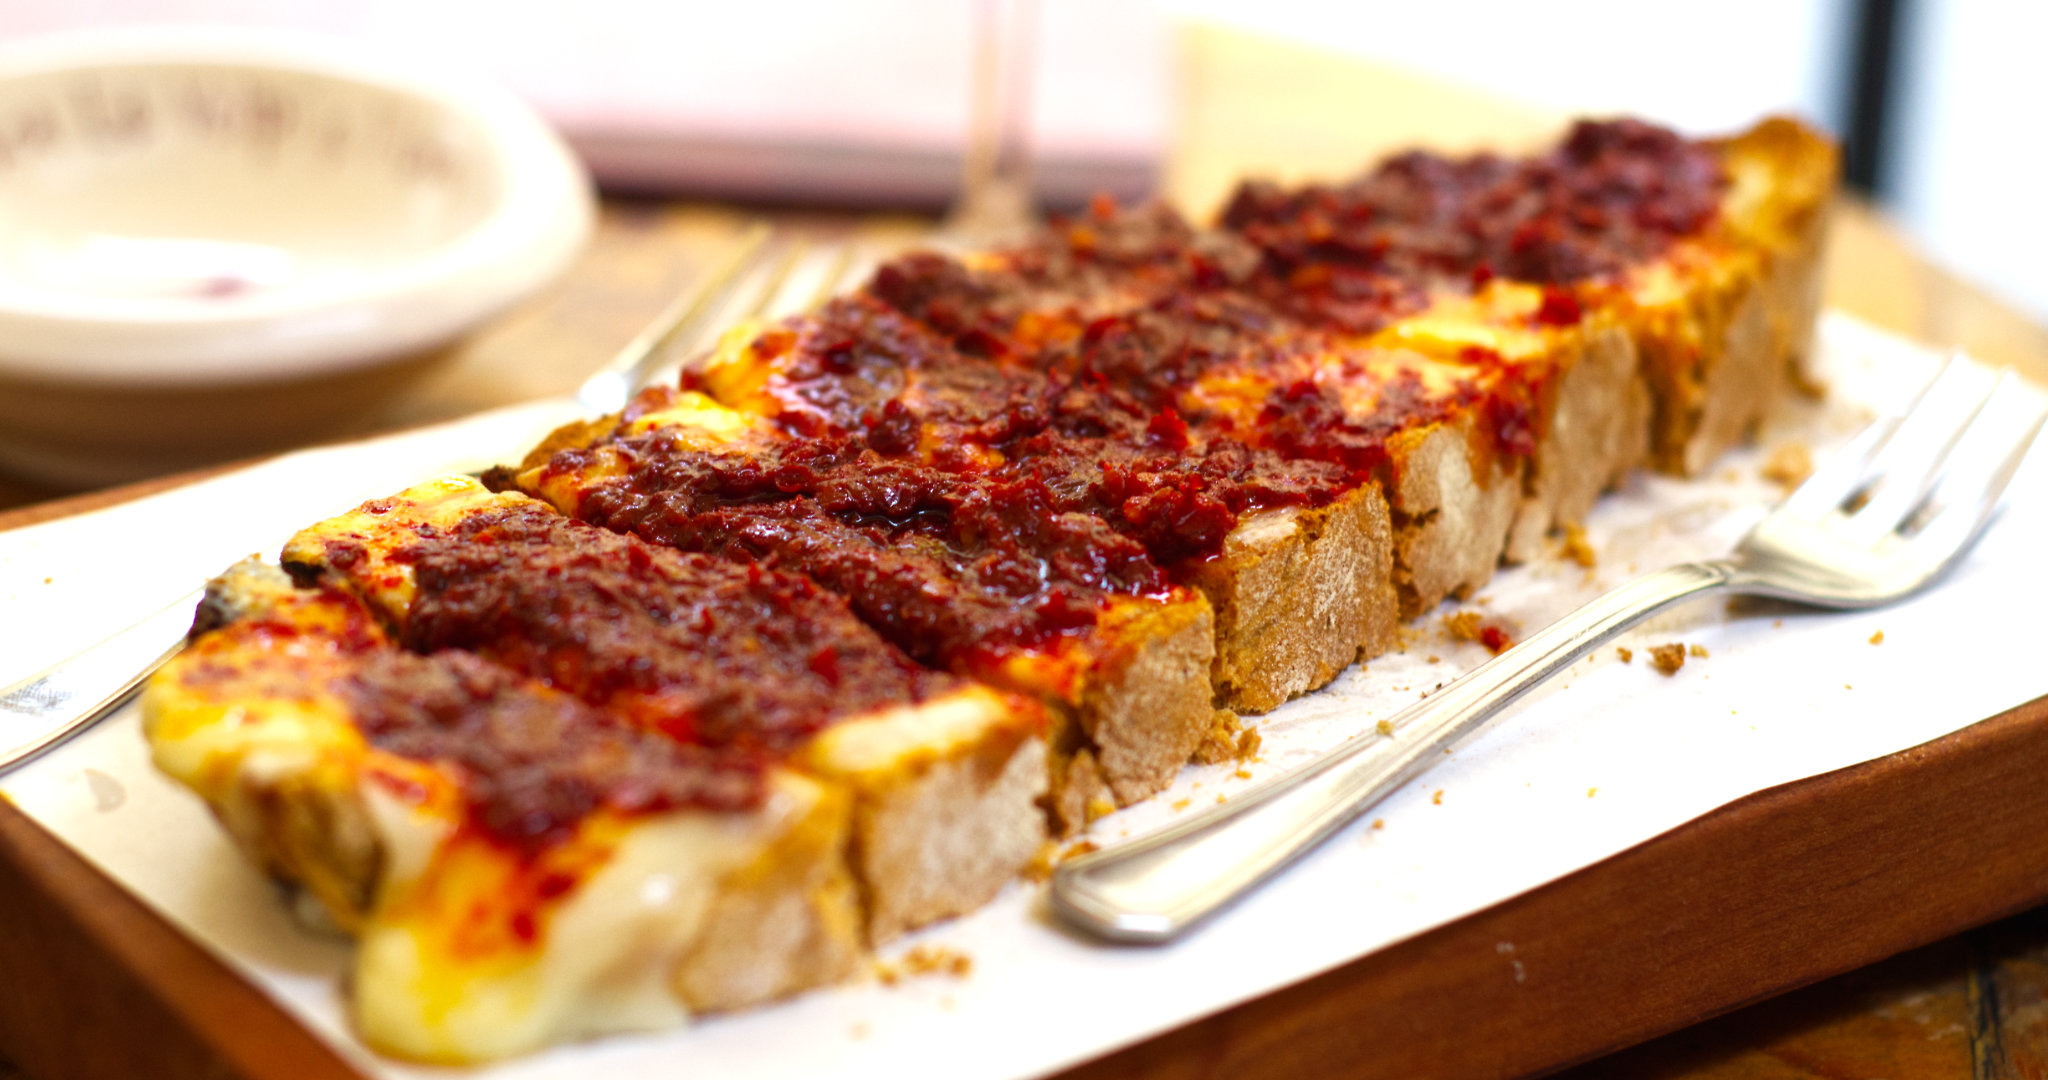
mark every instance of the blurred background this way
{"type": "Point", "coordinates": [860, 103]}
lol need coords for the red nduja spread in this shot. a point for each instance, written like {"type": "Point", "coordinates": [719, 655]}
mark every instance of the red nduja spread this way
{"type": "Point", "coordinates": [1361, 254]}
{"type": "Point", "coordinates": [532, 762]}
{"type": "Point", "coordinates": [978, 457]}
{"type": "Point", "coordinates": [671, 679]}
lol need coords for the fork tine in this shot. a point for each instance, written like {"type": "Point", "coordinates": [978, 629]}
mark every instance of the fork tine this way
{"type": "Point", "coordinates": [1843, 471]}
{"type": "Point", "coordinates": [1961, 518]}
{"type": "Point", "coordinates": [1905, 471]}
{"type": "Point", "coordinates": [768, 300]}
{"type": "Point", "coordinates": [1846, 471]}
{"type": "Point", "coordinates": [607, 390]}
{"type": "Point", "coordinates": [835, 273]}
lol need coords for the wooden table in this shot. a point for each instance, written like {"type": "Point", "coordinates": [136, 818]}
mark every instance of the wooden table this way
{"type": "Point", "coordinates": [1966, 1006]}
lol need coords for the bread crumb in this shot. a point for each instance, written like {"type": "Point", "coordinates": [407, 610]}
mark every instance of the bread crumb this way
{"type": "Point", "coordinates": [1577, 548]}
{"type": "Point", "coordinates": [1788, 465]}
{"type": "Point", "coordinates": [46, 581]}
{"type": "Point", "coordinates": [1227, 740]}
{"type": "Point", "coordinates": [1379, 823]}
{"type": "Point", "coordinates": [1846, 686]}
{"type": "Point", "coordinates": [1468, 626]}
{"type": "Point", "coordinates": [1041, 864]}
{"type": "Point", "coordinates": [1385, 727]}
{"type": "Point", "coordinates": [1243, 774]}
{"type": "Point", "coordinates": [859, 1030]}
{"type": "Point", "coordinates": [1438, 798]}
{"type": "Point", "coordinates": [1667, 659]}
{"type": "Point", "coordinates": [1097, 809]}
{"type": "Point", "coordinates": [1877, 638]}
{"type": "Point", "coordinates": [925, 960]}
{"type": "Point", "coordinates": [1628, 655]}
{"type": "Point", "coordinates": [1219, 798]}
{"type": "Point", "coordinates": [1181, 804]}
{"type": "Point", "coordinates": [1590, 791]}
{"type": "Point", "coordinates": [1697, 650]}
{"type": "Point", "coordinates": [1777, 624]}
{"type": "Point", "coordinates": [1435, 659]}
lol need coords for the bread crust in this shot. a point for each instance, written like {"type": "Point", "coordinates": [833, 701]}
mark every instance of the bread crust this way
{"type": "Point", "coordinates": [1452, 506]}
{"type": "Point", "coordinates": [1300, 594]}
{"type": "Point", "coordinates": [1597, 432]}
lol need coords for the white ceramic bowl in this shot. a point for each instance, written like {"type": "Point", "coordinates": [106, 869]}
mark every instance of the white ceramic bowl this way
{"type": "Point", "coordinates": [216, 242]}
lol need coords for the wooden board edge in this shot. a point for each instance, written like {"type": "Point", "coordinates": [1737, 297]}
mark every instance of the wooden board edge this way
{"type": "Point", "coordinates": [100, 987]}
{"type": "Point", "coordinates": [1864, 863]}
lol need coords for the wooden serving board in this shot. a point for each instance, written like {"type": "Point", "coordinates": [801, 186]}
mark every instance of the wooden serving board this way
{"type": "Point", "coordinates": [1776, 890]}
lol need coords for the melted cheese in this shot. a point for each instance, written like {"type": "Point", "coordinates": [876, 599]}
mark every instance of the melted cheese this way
{"type": "Point", "coordinates": [444, 974]}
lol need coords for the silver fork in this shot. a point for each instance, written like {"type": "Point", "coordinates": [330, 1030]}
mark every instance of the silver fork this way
{"type": "Point", "coordinates": [756, 279]}
{"type": "Point", "coordinates": [1879, 521]}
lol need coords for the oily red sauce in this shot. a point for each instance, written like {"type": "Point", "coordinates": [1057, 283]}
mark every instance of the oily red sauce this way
{"type": "Point", "coordinates": [1094, 424]}
{"type": "Point", "coordinates": [1190, 309]}
{"type": "Point", "coordinates": [945, 564]}
{"type": "Point", "coordinates": [702, 650]}
{"type": "Point", "coordinates": [979, 457]}
{"type": "Point", "coordinates": [1354, 255]}
{"type": "Point", "coordinates": [534, 762]}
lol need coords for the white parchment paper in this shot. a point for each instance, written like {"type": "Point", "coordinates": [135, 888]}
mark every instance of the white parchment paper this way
{"type": "Point", "coordinates": [1607, 756]}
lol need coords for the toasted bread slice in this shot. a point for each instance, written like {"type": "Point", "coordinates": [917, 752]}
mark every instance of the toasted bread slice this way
{"type": "Point", "coordinates": [975, 755]}
{"type": "Point", "coordinates": [1298, 591]}
{"type": "Point", "coordinates": [1129, 697]}
{"type": "Point", "coordinates": [1727, 317]}
{"type": "Point", "coordinates": [474, 947]}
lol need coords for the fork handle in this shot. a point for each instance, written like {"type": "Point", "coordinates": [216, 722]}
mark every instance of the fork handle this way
{"type": "Point", "coordinates": [1154, 889]}
{"type": "Point", "coordinates": [42, 710]}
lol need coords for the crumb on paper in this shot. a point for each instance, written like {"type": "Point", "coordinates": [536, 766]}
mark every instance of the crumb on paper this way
{"type": "Point", "coordinates": [1181, 804]}
{"type": "Point", "coordinates": [1228, 739]}
{"type": "Point", "coordinates": [1435, 659]}
{"type": "Point", "coordinates": [1667, 659]}
{"type": "Point", "coordinates": [1577, 548]}
{"type": "Point", "coordinates": [1242, 774]}
{"type": "Point", "coordinates": [1788, 465]}
{"type": "Point", "coordinates": [1628, 655]}
{"type": "Point", "coordinates": [1846, 686]}
{"type": "Point", "coordinates": [1468, 626]}
{"type": "Point", "coordinates": [925, 960]}
{"type": "Point", "coordinates": [1877, 638]}
{"type": "Point", "coordinates": [1077, 849]}
{"type": "Point", "coordinates": [47, 580]}
{"type": "Point", "coordinates": [1777, 624]}
{"type": "Point", "coordinates": [859, 1030]}
{"type": "Point", "coordinates": [1379, 823]}
{"type": "Point", "coordinates": [1221, 798]}
{"type": "Point", "coordinates": [1041, 864]}
{"type": "Point", "coordinates": [1590, 791]}
{"type": "Point", "coordinates": [1697, 650]}
{"type": "Point", "coordinates": [1385, 727]}
{"type": "Point", "coordinates": [1438, 798]}
{"type": "Point", "coordinates": [1097, 809]}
